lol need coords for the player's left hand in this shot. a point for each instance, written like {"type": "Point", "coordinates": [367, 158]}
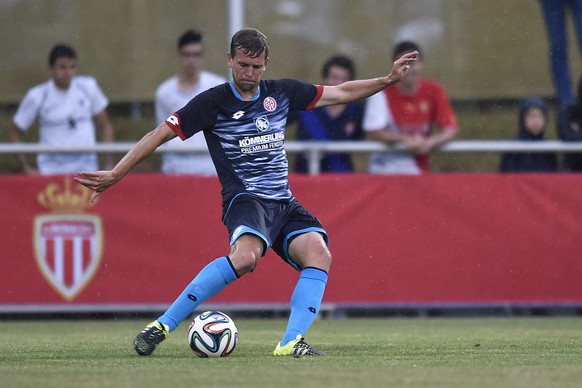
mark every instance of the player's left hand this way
{"type": "Point", "coordinates": [401, 66]}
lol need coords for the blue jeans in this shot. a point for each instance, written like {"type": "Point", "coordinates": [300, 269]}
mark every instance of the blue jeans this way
{"type": "Point", "coordinates": [554, 12]}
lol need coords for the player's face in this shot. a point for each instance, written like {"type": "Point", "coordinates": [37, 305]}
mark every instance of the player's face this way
{"type": "Point", "coordinates": [246, 70]}
{"type": "Point", "coordinates": [63, 71]}
{"type": "Point", "coordinates": [190, 58]}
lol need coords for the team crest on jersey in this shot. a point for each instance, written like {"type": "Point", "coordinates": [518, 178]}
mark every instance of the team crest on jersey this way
{"type": "Point", "coordinates": [67, 242]}
{"type": "Point", "coordinates": [262, 123]}
{"type": "Point", "coordinates": [270, 104]}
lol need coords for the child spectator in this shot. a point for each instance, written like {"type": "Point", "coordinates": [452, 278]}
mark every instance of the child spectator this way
{"type": "Point", "coordinates": [532, 121]}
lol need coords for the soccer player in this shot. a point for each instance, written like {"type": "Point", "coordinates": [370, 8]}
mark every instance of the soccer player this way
{"type": "Point", "coordinates": [244, 123]}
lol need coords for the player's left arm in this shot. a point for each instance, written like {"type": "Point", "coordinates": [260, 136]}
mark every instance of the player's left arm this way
{"type": "Point", "coordinates": [359, 89]}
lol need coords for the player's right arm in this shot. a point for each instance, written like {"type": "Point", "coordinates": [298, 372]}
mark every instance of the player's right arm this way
{"type": "Point", "coordinates": [101, 180]}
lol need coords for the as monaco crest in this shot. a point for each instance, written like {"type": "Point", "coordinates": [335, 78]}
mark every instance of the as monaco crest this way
{"type": "Point", "coordinates": [67, 242]}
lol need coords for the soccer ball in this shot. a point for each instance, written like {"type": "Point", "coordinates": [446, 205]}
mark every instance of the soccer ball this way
{"type": "Point", "coordinates": [212, 334]}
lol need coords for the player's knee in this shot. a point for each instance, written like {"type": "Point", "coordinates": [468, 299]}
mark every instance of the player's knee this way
{"type": "Point", "coordinates": [310, 250]}
{"type": "Point", "coordinates": [245, 253]}
{"type": "Point", "coordinates": [319, 247]}
{"type": "Point", "coordinates": [326, 257]}
{"type": "Point", "coordinates": [319, 257]}
{"type": "Point", "coordinates": [244, 262]}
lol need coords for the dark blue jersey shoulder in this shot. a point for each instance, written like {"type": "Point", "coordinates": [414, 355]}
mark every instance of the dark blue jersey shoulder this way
{"type": "Point", "coordinates": [201, 112]}
{"type": "Point", "coordinates": [246, 138]}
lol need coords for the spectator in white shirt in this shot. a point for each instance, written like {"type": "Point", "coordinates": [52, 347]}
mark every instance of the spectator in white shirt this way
{"type": "Point", "coordinates": [67, 107]}
{"type": "Point", "coordinates": [176, 92]}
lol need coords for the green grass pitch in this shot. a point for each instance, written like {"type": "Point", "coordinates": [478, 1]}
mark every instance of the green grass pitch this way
{"type": "Point", "coordinates": [444, 352]}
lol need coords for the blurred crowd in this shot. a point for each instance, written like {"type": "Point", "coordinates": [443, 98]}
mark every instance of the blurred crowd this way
{"type": "Point", "coordinates": [414, 116]}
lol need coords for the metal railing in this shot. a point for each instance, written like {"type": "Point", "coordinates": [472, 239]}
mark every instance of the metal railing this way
{"type": "Point", "coordinates": [314, 150]}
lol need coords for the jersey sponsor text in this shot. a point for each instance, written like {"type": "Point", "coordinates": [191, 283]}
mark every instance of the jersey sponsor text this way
{"type": "Point", "coordinates": [261, 143]}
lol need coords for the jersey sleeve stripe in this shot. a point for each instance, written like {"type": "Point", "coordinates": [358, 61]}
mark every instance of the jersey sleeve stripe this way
{"type": "Point", "coordinates": [316, 98]}
{"type": "Point", "coordinates": [174, 123]}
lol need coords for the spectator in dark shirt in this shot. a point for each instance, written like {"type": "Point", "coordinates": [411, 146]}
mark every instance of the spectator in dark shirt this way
{"type": "Point", "coordinates": [570, 129]}
{"type": "Point", "coordinates": [533, 118]}
{"type": "Point", "coordinates": [336, 122]}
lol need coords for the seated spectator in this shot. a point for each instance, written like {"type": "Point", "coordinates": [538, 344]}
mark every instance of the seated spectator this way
{"type": "Point", "coordinates": [532, 121]}
{"type": "Point", "coordinates": [407, 114]}
{"type": "Point", "coordinates": [336, 122]}
{"type": "Point", "coordinates": [67, 107]}
{"type": "Point", "coordinates": [570, 129]}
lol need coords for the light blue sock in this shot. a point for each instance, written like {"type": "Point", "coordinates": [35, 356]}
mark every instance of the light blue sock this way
{"type": "Point", "coordinates": [305, 302]}
{"type": "Point", "coordinates": [209, 282]}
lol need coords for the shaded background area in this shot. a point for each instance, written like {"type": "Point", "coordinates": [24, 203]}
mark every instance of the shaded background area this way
{"type": "Point", "coordinates": [487, 54]}
{"type": "Point", "coordinates": [479, 49]}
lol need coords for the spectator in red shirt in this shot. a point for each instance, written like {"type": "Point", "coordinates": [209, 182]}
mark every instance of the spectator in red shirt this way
{"type": "Point", "coordinates": [407, 114]}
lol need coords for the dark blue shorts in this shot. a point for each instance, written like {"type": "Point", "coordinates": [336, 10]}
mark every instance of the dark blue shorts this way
{"type": "Point", "coordinates": [277, 223]}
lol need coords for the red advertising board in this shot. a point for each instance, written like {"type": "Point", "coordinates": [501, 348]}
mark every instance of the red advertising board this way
{"type": "Point", "coordinates": [441, 238]}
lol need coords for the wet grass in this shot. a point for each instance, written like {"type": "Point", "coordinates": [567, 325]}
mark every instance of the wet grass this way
{"type": "Point", "coordinates": [519, 352]}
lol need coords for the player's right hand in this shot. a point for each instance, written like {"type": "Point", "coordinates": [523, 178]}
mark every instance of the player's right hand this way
{"type": "Point", "coordinates": [98, 181]}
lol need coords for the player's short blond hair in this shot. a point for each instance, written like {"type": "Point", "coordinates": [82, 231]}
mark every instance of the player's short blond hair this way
{"type": "Point", "coordinates": [250, 41]}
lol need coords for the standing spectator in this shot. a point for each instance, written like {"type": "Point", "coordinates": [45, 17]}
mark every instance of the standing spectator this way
{"type": "Point", "coordinates": [65, 107]}
{"type": "Point", "coordinates": [532, 121]}
{"type": "Point", "coordinates": [570, 129]}
{"type": "Point", "coordinates": [554, 12]}
{"type": "Point", "coordinates": [406, 114]}
{"type": "Point", "coordinates": [174, 93]}
{"type": "Point", "coordinates": [335, 122]}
